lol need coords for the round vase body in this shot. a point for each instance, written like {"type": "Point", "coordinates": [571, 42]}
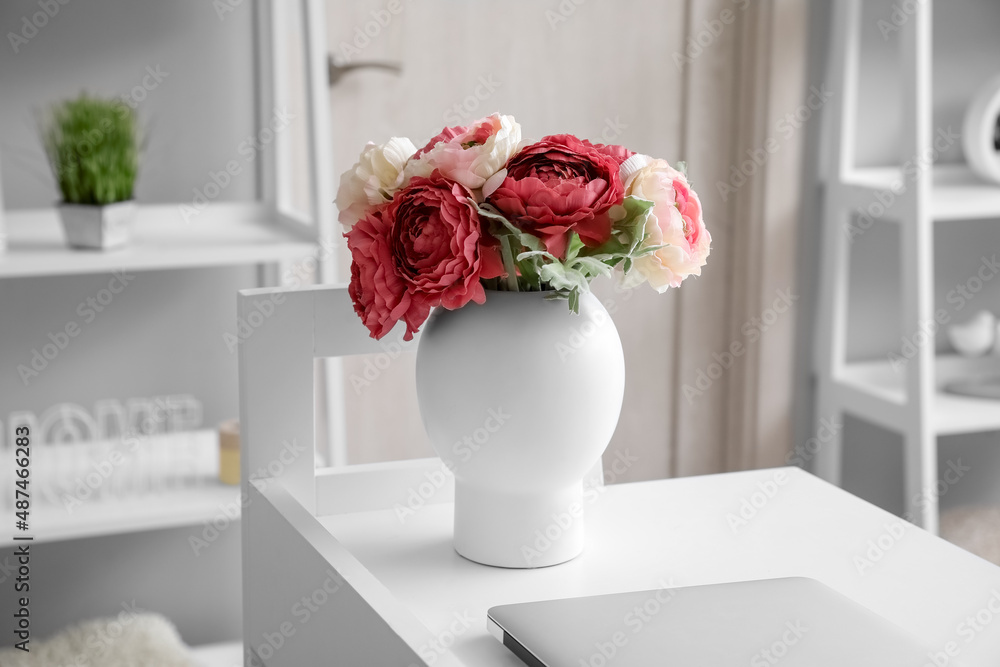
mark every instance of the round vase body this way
{"type": "Point", "coordinates": [520, 397]}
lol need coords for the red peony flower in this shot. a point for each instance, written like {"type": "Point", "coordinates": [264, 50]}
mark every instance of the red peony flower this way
{"type": "Point", "coordinates": [422, 250]}
{"type": "Point", "coordinates": [619, 153]}
{"type": "Point", "coordinates": [379, 294]}
{"type": "Point", "coordinates": [558, 185]}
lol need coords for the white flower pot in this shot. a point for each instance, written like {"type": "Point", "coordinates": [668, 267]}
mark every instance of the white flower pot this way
{"type": "Point", "coordinates": [100, 227]}
{"type": "Point", "coordinates": [520, 397]}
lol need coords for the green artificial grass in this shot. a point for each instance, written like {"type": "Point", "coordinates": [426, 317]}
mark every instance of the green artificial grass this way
{"type": "Point", "coordinates": [93, 150]}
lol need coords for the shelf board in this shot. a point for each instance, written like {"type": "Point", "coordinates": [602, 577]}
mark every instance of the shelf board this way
{"type": "Point", "coordinates": [952, 414]}
{"type": "Point", "coordinates": [228, 654]}
{"type": "Point", "coordinates": [223, 234]}
{"type": "Point", "coordinates": [202, 500]}
{"type": "Point", "coordinates": [958, 194]}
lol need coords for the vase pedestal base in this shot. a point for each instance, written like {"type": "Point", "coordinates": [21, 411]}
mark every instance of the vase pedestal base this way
{"type": "Point", "coordinates": [519, 530]}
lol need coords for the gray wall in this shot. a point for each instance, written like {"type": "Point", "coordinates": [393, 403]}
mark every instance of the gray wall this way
{"type": "Point", "coordinates": [967, 54]}
{"type": "Point", "coordinates": [162, 334]}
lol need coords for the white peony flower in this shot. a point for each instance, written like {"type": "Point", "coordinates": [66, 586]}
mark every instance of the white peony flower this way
{"type": "Point", "coordinates": [373, 180]}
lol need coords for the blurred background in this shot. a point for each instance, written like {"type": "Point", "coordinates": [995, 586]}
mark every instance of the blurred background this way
{"type": "Point", "coordinates": [786, 351]}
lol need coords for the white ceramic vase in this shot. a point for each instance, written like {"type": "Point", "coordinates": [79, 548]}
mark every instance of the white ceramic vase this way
{"type": "Point", "coordinates": [98, 227]}
{"type": "Point", "coordinates": [520, 397]}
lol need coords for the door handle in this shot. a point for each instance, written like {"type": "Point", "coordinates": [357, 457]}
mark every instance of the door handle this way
{"type": "Point", "coordinates": [337, 72]}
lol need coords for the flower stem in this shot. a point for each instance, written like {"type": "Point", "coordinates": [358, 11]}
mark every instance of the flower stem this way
{"type": "Point", "coordinates": [508, 263]}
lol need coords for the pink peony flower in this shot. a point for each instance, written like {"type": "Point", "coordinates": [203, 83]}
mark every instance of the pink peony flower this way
{"type": "Point", "coordinates": [422, 250]}
{"type": "Point", "coordinates": [676, 222]}
{"type": "Point", "coordinates": [446, 135]}
{"type": "Point", "coordinates": [559, 185]}
{"type": "Point", "coordinates": [469, 155]}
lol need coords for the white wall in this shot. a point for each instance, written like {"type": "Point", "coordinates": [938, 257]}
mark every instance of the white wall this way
{"type": "Point", "coordinates": [163, 334]}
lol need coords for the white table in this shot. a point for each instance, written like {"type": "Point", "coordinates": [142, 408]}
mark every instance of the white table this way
{"type": "Point", "coordinates": [682, 532]}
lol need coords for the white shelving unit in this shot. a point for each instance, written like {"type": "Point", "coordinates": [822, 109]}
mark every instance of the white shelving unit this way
{"type": "Point", "coordinates": [196, 499]}
{"type": "Point", "coordinates": [907, 400]}
{"type": "Point", "coordinates": [268, 232]}
{"type": "Point", "coordinates": [956, 193]}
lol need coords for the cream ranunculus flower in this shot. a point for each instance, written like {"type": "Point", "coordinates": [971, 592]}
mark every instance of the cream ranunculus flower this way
{"type": "Point", "coordinates": [373, 180]}
{"type": "Point", "coordinates": [472, 156]}
{"type": "Point", "coordinates": [675, 222]}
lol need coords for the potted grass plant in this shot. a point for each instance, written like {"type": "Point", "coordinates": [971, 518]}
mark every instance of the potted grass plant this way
{"type": "Point", "coordinates": [92, 146]}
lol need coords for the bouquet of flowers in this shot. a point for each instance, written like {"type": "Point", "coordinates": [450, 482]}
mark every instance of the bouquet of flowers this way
{"type": "Point", "coordinates": [477, 209]}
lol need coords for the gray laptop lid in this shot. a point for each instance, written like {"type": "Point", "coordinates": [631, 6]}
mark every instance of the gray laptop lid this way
{"type": "Point", "coordinates": [794, 622]}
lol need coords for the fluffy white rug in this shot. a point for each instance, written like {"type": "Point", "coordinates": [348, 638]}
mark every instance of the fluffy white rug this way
{"type": "Point", "coordinates": [975, 528]}
{"type": "Point", "coordinates": [142, 640]}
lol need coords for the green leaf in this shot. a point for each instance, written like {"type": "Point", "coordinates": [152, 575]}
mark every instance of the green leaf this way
{"type": "Point", "coordinates": [574, 246]}
{"type": "Point", "coordinates": [628, 233]}
{"type": "Point", "coordinates": [592, 266]}
{"type": "Point", "coordinates": [574, 301]}
{"type": "Point", "coordinates": [529, 273]}
{"type": "Point", "coordinates": [537, 253]}
{"type": "Point", "coordinates": [527, 240]}
{"type": "Point", "coordinates": [561, 277]}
